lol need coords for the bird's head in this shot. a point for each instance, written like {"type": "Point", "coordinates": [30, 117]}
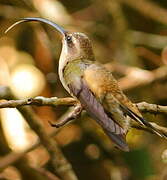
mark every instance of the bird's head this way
{"type": "Point", "coordinates": [75, 45]}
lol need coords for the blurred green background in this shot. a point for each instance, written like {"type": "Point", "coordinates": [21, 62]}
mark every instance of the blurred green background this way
{"type": "Point", "coordinates": [129, 38]}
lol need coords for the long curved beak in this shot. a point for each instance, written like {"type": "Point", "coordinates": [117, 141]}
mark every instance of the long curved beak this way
{"type": "Point", "coordinates": [56, 26]}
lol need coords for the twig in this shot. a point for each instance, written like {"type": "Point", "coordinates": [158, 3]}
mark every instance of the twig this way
{"type": "Point", "coordinates": [149, 9]}
{"type": "Point", "coordinates": [124, 39]}
{"type": "Point", "coordinates": [151, 108]}
{"type": "Point", "coordinates": [22, 163]}
{"type": "Point", "coordinates": [15, 12]}
{"type": "Point", "coordinates": [54, 101]}
{"type": "Point", "coordinates": [137, 77]}
{"type": "Point", "coordinates": [154, 109]}
{"type": "Point", "coordinates": [149, 56]}
{"type": "Point", "coordinates": [13, 157]}
{"type": "Point", "coordinates": [9, 159]}
{"type": "Point", "coordinates": [39, 101]}
{"type": "Point", "coordinates": [148, 39]}
{"type": "Point", "coordinates": [46, 174]}
{"type": "Point", "coordinates": [59, 162]}
{"type": "Point", "coordinates": [58, 13]}
{"type": "Point", "coordinates": [156, 126]}
{"type": "Point", "coordinates": [143, 107]}
{"type": "Point", "coordinates": [71, 116]}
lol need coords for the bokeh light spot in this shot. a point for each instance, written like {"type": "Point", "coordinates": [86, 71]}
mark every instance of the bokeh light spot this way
{"type": "Point", "coordinates": [27, 81]}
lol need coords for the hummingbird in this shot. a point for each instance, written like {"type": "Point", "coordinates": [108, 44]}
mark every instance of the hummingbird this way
{"type": "Point", "coordinates": [94, 86]}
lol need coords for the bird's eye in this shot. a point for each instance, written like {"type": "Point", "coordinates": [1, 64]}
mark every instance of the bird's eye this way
{"type": "Point", "coordinates": [69, 39]}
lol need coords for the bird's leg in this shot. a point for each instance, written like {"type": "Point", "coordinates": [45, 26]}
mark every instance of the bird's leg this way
{"type": "Point", "coordinates": [71, 116]}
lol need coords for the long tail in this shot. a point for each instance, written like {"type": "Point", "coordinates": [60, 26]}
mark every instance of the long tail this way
{"type": "Point", "coordinates": [143, 122]}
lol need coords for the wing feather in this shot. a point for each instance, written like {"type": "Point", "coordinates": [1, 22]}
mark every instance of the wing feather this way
{"type": "Point", "coordinates": [96, 111]}
{"type": "Point", "coordinates": [106, 88]}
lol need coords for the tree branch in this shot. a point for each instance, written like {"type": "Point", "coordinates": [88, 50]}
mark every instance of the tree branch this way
{"type": "Point", "coordinates": [147, 39]}
{"type": "Point", "coordinates": [136, 77]}
{"type": "Point", "coordinates": [13, 157]}
{"type": "Point", "coordinates": [125, 51]}
{"type": "Point", "coordinates": [47, 174]}
{"type": "Point", "coordinates": [69, 117]}
{"type": "Point", "coordinates": [69, 101]}
{"type": "Point", "coordinates": [156, 126]}
{"type": "Point", "coordinates": [149, 9]}
{"type": "Point", "coordinates": [151, 108]}
{"type": "Point", "coordinates": [59, 162]}
{"type": "Point", "coordinates": [39, 101]}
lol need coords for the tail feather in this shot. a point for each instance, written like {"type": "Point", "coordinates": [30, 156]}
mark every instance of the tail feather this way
{"type": "Point", "coordinates": [119, 140]}
{"type": "Point", "coordinates": [143, 122]}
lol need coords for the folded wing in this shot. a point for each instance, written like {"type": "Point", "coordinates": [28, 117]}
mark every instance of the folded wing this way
{"type": "Point", "coordinates": [96, 111]}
